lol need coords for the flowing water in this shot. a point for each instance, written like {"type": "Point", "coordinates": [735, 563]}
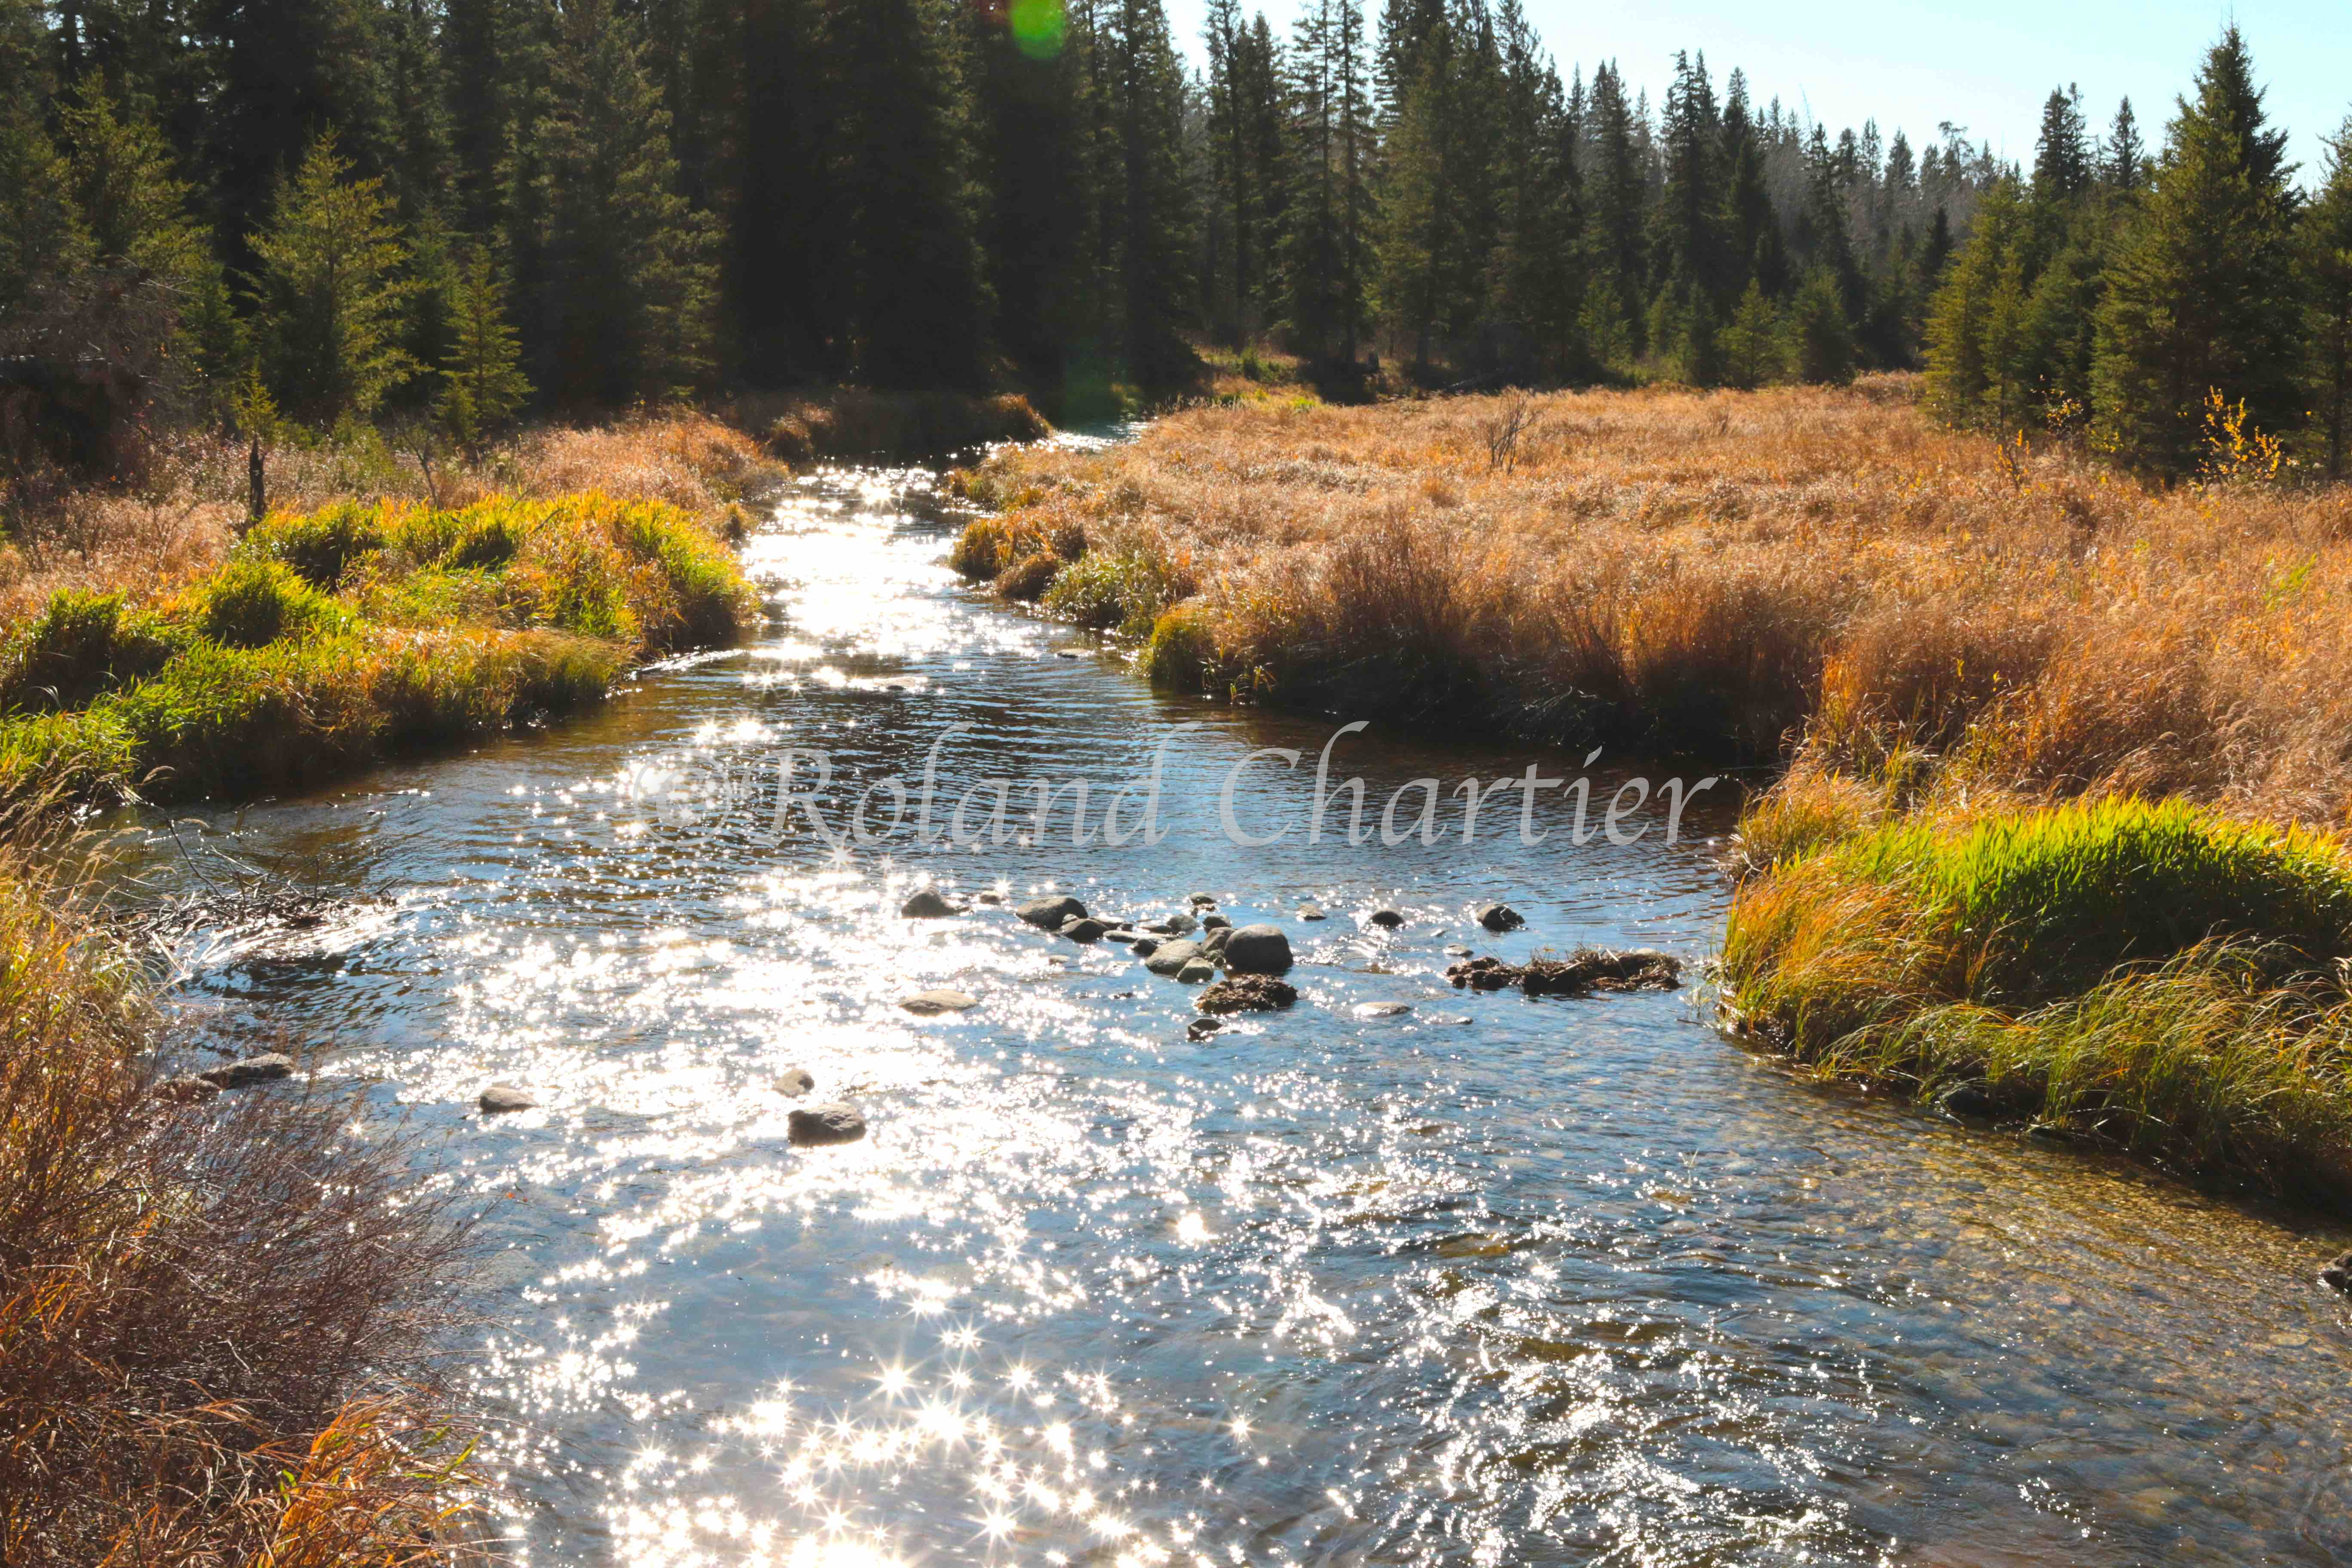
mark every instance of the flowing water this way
{"type": "Point", "coordinates": [1492, 1280]}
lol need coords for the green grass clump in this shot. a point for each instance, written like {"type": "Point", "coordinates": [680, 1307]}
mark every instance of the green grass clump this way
{"type": "Point", "coordinates": [2154, 973]}
{"type": "Point", "coordinates": [1129, 590]}
{"type": "Point", "coordinates": [350, 634]}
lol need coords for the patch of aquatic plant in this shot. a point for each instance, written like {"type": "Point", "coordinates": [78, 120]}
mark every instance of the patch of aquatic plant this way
{"type": "Point", "coordinates": [337, 637]}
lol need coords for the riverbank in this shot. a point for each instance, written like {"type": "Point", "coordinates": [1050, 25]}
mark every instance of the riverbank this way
{"type": "Point", "coordinates": [1935, 637]}
{"type": "Point", "coordinates": [216, 1321]}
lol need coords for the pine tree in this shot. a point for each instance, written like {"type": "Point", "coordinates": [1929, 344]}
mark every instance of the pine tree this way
{"type": "Point", "coordinates": [482, 383]}
{"type": "Point", "coordinates": [1754, 345]}
{"type": "Point", "coordinates": [1036, 231]}
{"type": "Point", "coordinates": [904, 198]}
{"type": "Point", "coordinates": [2201, 296]}
{"type": "Point", "coordinates": [626, 265]}
{"type": "Point", "coordinates": [2325, 253]}
{"type": "Point", "coordinates": [1156, 283]}
{"type": "Point", "coordinates": [2123, 163]}
{"type": "Point", "coordinates": [1821, 338]}
{"type": "Point", "coordinates": [2062, 157]}
{"type": "Point", "coordinates": [328, 294]}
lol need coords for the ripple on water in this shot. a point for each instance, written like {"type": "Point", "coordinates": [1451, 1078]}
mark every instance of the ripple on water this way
{"type": "Point", "coordinates": [1569, 1282]}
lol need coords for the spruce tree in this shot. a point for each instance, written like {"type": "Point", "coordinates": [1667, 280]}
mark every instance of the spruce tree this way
{"type": "Point", "coordinates": [482, 383]}
{"type": "Point", "coordinates": [2326, 252]}
{"type": "Point", "coordinates": [1821, 338]}
{"type": "Point", "coordinates": [2201, 296]}
{"type": "Point", "coordinates": [628, 266]}
{"type": "Point", "coordinates": [904, 198]}
{"type": "Point", "coordinates": [2123, 161]}
{"type": "Point", "coordinates": [328, 294]}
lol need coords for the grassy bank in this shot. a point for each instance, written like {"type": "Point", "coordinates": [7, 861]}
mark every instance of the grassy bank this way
{"type": "Point", "coordinates": [369, 616]}
{"type": "Point", "coordinates": [2065, 760]}
{"type": "Point", "coordinates": [214, 1320]}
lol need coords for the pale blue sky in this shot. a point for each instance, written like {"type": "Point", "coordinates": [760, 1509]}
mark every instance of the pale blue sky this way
{"type": "Point", "coordinates": [1986, 64]}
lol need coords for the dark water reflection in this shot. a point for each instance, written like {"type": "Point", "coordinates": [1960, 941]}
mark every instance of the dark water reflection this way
{"type": "Point", "coordinates": [1558, 1282]}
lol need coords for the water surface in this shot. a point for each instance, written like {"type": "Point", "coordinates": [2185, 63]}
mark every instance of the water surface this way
{"type": "Point", "coordinates": [1493, 1281]}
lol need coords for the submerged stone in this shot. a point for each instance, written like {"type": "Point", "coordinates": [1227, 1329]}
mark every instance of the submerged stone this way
{"type": "Point", "coordinates": [1500, 917]}
{"type": "Point", "coordinates": [1580, 974]}
{"type": "Point", "coordinates": [252, 1069]}
{"type": "Point", "coordinates": [1247, 993]}
{"type": "Point", "coordinates": [926, 905]}
{"type": "Point", "coordinates": [1387, 920]}
{"type": "Point", "coordinates": [502, 1098]}
{"type": "Point", "coordinates": [1382, 1009]}
{"type": "Point", "coordinates": [1312, 913]}
{"type": "Point", "coordinates": [931, 1003]}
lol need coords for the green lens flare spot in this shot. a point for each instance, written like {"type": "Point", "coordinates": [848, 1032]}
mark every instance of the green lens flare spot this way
{"type": "Point", "coordinates": [1038, 26]}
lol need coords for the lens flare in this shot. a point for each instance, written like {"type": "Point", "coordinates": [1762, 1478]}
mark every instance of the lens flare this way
{"type": "Point", "coordinates": [1038, 26]}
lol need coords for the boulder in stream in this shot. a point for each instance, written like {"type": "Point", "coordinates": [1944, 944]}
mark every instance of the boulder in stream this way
{"type": "Point", "coordinates": [1083, 928]}
{"type": "Point", "coordinates": [1257, 950]}
{"type": "Point", "coordinates": [1312, 913]}
{"type": "Point", "coordinates": [504, 1099]}
{"type": "Point", "coordinates": [821, 1124]}
{"type": "Point", "coordinates": [793, 1082]}
{"type": "Point", "coordinates": [928, 905]}
{"type": "Point", "coordinates": [1051, 914]}
{"type": "Point", "coordinates": [2338, 1273]}
{"type": "Point", "coordinates": [1500, 917]}
{"type": "Point", "coordinates": [1386, 918]}
{"type": "Point", "coordinates": [1170, 957]}
{"type": "Point", "coordinates": [1381, 1009]}
{"type": "Point", "coordinates": [1199, 971]}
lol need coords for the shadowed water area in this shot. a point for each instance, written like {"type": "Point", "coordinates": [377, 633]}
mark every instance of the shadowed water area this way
{"type": "Point", "coordinates": [1492, 1280]}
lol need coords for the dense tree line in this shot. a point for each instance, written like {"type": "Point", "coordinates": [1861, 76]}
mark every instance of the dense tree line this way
{"type": "Point", "coordinates": [342, 208]}
{"type": "Point", "coordinates": [2187, 310]}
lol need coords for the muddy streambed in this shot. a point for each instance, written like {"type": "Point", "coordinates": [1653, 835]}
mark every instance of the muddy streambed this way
{"type": "Point", "coordinates": [1491, 1280]}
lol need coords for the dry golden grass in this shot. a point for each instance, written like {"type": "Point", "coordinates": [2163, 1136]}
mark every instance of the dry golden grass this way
{"type": "Point", "coordinates": [1733, 571]}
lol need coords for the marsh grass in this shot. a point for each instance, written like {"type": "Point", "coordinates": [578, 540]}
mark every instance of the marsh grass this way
{"type": "Point", "coordinates": [2153, 974]}
{"type": "Point", "coordinates": [216, 1321]}
{"type": "Point", "coordinates": [1739, 575]}
{"type": "Point", "coordinates": [334, 638]}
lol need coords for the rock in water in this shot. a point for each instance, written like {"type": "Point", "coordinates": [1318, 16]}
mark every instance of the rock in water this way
{"type": "Point", "coordinates": [1257, 950]}
{"type": "Point", "coordinates": [1215, 922]}
{"type": "Point", "coordinates": [928, 905]}
{"type": "Point", "coordinates": [1201, 1028]}
{"type": "Point", "coordinates": [795, 1081]}
{"type": "Point", "coordinates": [501, 1098]}
{"type": "Point", "coordinates": [1247, 993]}
{"type": "Point", "coordinates": [1312, 913]}
{"type": "Point", "coordinates": [1174, 925]}
{"type": "Point", "coordinates": [186, 1090]}
{"type": "Point", "coordinates": [1199, 972]}
{"type": "Point", "coordinates": [1083, 928]}
{"type": "Point", "coordinates": [1500, 917]}
{"type": "Point", "coordinates": [1051, 913]}
{"type": "Point", "coordinates": [253, 1070]}
{"type": "Point", "coordinates": [990, 898]}
{"type": "Point", "coordinates": [1457, 951]}
{"type": "Point", "coordinates": [821, 1124]}
{"type": "Point", "coordinates": [1145, 946]}
{"type": "Point", "coordinates": [931, 1003]}
{"type": "Point", "coordinates": [1580, 974]}
{"type": "Point", "coordinates": [2338, 1274]}
{"type": "Point", "coordinates": [1213, 942]}
{"type": "Point", "coordinates": [1170, 957]}
{"type": "Point", "coordinates": [1203, 901]}
{"type": "Point", "coordinates": [1387, 920]}
{"type": "Point", "coordinates": [1970, 1102]}
{"type": "Point", "coordinates": [1382, 1009]}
